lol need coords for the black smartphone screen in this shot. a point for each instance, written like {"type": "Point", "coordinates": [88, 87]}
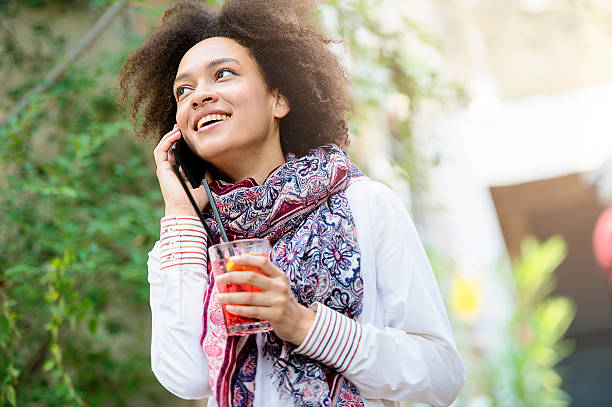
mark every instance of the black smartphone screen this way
{"type": "Point", "coordinates": [193, 166]}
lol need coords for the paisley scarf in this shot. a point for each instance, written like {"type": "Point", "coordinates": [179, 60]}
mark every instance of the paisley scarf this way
{"type": "Point", "coordinates": [303, 211]}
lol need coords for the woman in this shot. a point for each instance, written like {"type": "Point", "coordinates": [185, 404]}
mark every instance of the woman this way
{"type": "Point", "coordinates": [356, 314]}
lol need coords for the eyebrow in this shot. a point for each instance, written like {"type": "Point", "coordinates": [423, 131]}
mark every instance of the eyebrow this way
{"type": "Point", "coordinates": [211, 64]}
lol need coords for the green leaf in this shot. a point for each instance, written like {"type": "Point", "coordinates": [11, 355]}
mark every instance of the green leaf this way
{"type": "Point", "coordinates": [92, 325]}
{"type": "Point", "coordinates": [49, 364]}
{"type": "Point", "coordinates": [11, 397]}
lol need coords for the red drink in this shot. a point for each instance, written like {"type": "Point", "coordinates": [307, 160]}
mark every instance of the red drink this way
{"type": "Point", "coordinates": [219, 254]}
{"type": "Point", "coordinates": [249, 325]}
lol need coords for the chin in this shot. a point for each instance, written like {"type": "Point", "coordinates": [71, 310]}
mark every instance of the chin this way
{"type": "Point", "coordinates": [212, 153]}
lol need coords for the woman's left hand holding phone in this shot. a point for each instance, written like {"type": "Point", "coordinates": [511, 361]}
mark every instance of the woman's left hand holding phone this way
{"type": "Point", "coordinates": [175, 199]}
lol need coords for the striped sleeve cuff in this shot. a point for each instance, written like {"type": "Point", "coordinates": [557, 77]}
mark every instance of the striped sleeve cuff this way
{"type": "Point", "coordinates": [332, 340]}
{"type": "Point", "coordinates": [182, 241]}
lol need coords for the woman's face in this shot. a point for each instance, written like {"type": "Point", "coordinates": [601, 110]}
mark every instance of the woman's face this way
{"type": "Point", "coordinates": [224, 109]}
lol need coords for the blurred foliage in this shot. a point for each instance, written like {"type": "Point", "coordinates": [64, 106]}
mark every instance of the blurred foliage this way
{"type": "Point", "coordinates": [511, 360]}
{"type": "Point", "coordinates": [81, 203]}
{"type": "Point", "coordinates": [523, 372]}
{"type": "Point", "coordinates": [391, 79]}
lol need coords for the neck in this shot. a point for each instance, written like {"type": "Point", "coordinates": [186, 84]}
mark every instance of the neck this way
{"type": "Point", "coordinates": [258, 171]}
{"type": "Point", "coordinates": [255, 164]}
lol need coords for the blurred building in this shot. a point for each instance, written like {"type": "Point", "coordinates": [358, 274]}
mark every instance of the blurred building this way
{"type": "Point", "coordinates": [516, 161]}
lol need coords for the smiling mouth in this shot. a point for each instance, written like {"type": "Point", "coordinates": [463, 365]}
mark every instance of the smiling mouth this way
{"type": "Point", "coordinates": [211, 119]}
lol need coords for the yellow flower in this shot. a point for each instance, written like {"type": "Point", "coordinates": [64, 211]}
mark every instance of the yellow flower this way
{"type": "Point", "coordinates": [465, 298]}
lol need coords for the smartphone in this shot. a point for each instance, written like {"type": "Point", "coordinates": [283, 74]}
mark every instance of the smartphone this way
{"type": "Point", "coordinates": [193, 166]}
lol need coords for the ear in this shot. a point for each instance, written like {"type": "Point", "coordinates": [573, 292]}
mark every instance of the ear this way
{"type": "Point", "coordinates": [281, 106]}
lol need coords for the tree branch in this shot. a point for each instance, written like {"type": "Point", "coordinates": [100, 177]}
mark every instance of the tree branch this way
{"type": "Point", "coordinates": [73, 55]}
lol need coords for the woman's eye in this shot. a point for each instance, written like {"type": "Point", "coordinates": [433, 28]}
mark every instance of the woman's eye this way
{"type": "Point", "coordinates": [180, 91]}
{"type": "Point", "coordinates": [223, 73]}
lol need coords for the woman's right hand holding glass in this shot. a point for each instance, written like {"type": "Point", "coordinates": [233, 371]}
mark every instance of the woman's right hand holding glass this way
{"type": "Point", "coordinates": [175, 198]}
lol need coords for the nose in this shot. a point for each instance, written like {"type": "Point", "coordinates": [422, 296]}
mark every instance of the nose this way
{"type": "Point", "coordinates": [202, 96]}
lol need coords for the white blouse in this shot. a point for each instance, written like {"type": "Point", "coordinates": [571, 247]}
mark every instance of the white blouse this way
{"type": "Point", "coordinates": [400, 347]}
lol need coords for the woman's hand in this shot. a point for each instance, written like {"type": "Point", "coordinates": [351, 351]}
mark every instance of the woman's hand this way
{"type": "Point", "coordinates": [175, 198]}
{"type": "Point", "coordinates": [290, 320]}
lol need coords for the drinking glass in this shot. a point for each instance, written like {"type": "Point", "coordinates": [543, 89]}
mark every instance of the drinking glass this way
{"type": "Point", "coordinates": [219, 257]}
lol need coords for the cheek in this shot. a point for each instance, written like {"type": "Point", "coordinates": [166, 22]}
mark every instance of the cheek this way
{"type": "Point", "coordinates": [258, 109]}
{"type": "Point", "coordinates": [181, 116]}
{"type": "Point", "coordinates": [238, 95]}
{"type": "Point", "coordinates": [252, 98]}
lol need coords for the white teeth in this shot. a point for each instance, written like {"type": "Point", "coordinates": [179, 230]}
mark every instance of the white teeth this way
{"type": "Point", "coordinates": [210, 117]}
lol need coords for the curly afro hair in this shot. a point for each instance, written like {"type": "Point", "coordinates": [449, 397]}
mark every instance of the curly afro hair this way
{"type": "Point", "coordinates": [282, 37]}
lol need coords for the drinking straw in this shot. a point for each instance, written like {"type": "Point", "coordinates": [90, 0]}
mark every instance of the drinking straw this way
{"type": "Point", "coordinates": [193, 203]}
{"type": "Point", "coordinates": [215, 210]}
